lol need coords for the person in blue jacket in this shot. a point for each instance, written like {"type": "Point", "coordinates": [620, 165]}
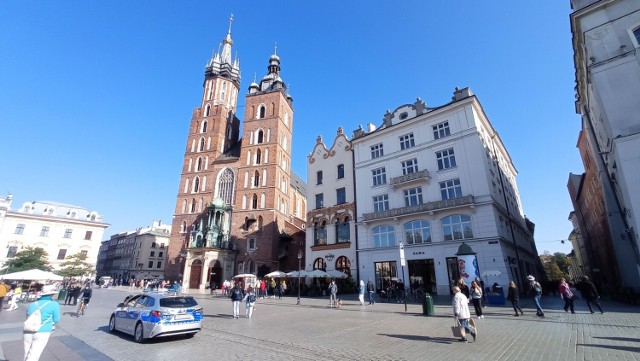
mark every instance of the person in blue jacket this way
{"type": "Point", "coordinates": [35, 342]}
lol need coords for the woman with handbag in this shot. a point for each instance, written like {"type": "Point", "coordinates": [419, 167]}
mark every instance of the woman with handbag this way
{"type": "Point", "coordinates": [35, 342]}
{"type": "Point", "coordinates": [567, 295]}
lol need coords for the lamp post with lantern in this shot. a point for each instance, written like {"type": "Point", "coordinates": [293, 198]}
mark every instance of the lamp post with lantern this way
{"type": "Point", "coordinates": [299, 265]}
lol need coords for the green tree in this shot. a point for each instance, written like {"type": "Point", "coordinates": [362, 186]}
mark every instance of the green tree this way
{"type": "Point", "coordinates": [562, 262]}
{"type": "Point", "coordinates": [554, 273]}
{"type": "Point", "coordinates": [76, 266]}
{"type": "Point", "coordinates": [28, 258]}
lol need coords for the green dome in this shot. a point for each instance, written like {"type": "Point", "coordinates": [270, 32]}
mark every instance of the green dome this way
{"type": "Point", "coordinates": [464, 249]}
{"type": "Point", "coordinates": [218, 202]}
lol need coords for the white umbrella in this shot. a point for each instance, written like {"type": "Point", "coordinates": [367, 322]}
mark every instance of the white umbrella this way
{"type": "Point", "coordinates": [318, 273]}
{"type": "Point", "coordinates": [303, 273]}
{"type": "Point", "coordinates": [337, 274]}
{"type": "Point", "coordinates": [33, 275]}
{"type": "Point", "coordinates": [275, 274]}
{"type": "Point", "coordinates": [245, 275]}
{"type": "Point", "coordinates": [494, 273]}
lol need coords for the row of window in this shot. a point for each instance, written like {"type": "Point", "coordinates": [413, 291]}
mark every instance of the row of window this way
{"type": "Point", "coordinates": [446, 159]}
{"type": "Point", "coordinates": [340, 171]}
{"type": "Point", "coordinates": [343, 232]}
{"type": "Point", "coordinates": [62, 252]}
{"type": "Point", "coordinates": [44, 232]}
{"type": "Point", "coordinates": [343, 264]}
{"type": "Point", "coordinates": [407, 141]}
{"type": "Point", "coordinates": [454, 228]}
{"type": "Point", "coordinates": [341, 197]}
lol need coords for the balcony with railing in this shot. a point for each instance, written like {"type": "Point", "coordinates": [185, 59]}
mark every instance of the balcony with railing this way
{"type": "Point", "coordinates": [424, 207]}
{"type": "Point", "coordinates": [419, 176]}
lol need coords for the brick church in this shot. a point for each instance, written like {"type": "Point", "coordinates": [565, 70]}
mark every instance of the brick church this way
{"type": "Point", "coordinates": [240, 208]}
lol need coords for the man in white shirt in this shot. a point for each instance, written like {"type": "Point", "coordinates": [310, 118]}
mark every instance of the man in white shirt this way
{"type": "Point", "coordinates": [461, 312]}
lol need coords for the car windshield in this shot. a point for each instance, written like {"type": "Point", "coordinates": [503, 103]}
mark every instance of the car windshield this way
{"type": "Point", "coordinates": [178, 302]}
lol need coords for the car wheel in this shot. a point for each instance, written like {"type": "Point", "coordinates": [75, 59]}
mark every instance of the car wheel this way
{"type": "Point", "coordinates": [138, 335]}
{"type": "Point", "coordinates": [112, 324]}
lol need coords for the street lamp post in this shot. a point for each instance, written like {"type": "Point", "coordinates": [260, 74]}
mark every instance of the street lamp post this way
{"type": "Point", "coordinates": [299, 262]}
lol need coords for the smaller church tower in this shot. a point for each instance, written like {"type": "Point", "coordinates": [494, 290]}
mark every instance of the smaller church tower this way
{"type": "Point", "coordinates": [263, 200]}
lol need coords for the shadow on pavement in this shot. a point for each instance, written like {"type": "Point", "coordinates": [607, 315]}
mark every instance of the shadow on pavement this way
{"type": "Point", "coordinates": [629, 339]}
{"type": "Point", "coordinates": [612, 347]}
{"type": "Point", "coordinates": [445, 340]}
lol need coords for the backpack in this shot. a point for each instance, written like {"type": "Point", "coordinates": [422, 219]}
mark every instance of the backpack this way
{"type": "Point", "coordinates": [251, 298]}
{"type": "Point", "coordinates": [537, 288]}
{"type": "Point", "coordinates": [34, 321]}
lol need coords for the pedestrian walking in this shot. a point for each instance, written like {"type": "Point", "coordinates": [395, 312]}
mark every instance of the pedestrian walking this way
{"type": "Point", "coordinates": [567, 295]}
{"type": "Point", "coordinates": [460, 305]}
{"type": "Point", "coordinates": [514, 297]}
{"type": "Point", "coordinates": [263, 289]}
{"type": "Point", "coordinates": [333, 294]}
{"type": "Point", "coordinates": [17, 293]}
{"type": "Point", "coordinates": [281, 288]}
{"type": "Point", "coordinates": [590, 293]}
{"type": "Point", "coordinates": [476, 298]}
{"type": "Point", "coordinates": [250, 301]}
{"type": "Point", "coordinates": [35, 342]}
{"type": "Point", "coordinates": [536, 289]}
{"type": "Point", "coordinates": [236, 298]}
{"type": "Point", "coordinates": [371, 289]}
{"type": "Point", "coordinates": [4, 289]}
{"type": "Point", "coordinates": [361, 289]}
{"type": "Point", "coordinates": [463, 287]}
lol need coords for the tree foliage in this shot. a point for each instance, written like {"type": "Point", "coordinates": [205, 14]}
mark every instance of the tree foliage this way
{"type": "Point", "coordinates": [75, 266]}
{"type": "Point", "coordinates": [554, 273]}
{"type": "Point", "coordinates": [27, 259]}
{"type": "Point", "coordinates": [562, 262]}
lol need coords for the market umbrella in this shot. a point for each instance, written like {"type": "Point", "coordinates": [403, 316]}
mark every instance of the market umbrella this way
{"type": "Point", "coordinates": [303, 273]}
{"type": "Point", "coordinates": [245, 275]}
{"type": "Point", "coordinates": [33, 275]}
{"type": "Point", "coordinates": [318, 273]}
{"type": "Point", "coordinates": [337, 274]}
{"type": "Point", "coordinates": [275, 274]}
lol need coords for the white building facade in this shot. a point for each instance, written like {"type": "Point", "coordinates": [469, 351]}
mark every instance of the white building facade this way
{"type": "Point", "coordinates": [62, 230]}
{"type": "Point", "coordinates": [606, 44]}
{"type": "Point", "coordinates": [440, 181]}
{"type": "Point", "coordinates": [330, 231]}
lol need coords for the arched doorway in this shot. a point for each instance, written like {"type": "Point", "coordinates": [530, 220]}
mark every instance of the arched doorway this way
{"type": "Point", "coordinates": [196, 274]}
{"type": "Point", "coordinates": [214, 277]}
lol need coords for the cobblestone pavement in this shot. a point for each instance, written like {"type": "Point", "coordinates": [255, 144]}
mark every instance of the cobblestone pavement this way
{"type": "Point", "coordinates": [281, 330]}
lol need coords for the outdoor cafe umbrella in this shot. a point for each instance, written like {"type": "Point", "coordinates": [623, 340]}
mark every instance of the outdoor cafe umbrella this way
{"type": "Point", "coordinates": [337, 274]}
{"type": "Point", "coordinates": [318, 273]}
{"type": "Point", "coordinates": [32, 275]}
{"type": "Point", "coordinates": [303, 273]}
{"type": "Point", "coordinates": [275, 274]}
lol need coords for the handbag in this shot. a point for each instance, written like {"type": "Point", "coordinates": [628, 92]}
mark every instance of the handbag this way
{"type": "Point", "coordinates": [456, 329]}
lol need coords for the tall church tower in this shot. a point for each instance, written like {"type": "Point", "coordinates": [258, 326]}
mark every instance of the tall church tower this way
{"type": "Point", "coordinates": [263, 197]}
{"type": "Point", "coordinates": [213, 133]}
{"type": "Point", "coordinates": [239, 207]}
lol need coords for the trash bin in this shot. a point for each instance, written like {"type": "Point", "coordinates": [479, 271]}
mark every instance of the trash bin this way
{"type": "Point", "coordinates": [427, 305]}
{"type": "Point", "coordinates": [62, 294]}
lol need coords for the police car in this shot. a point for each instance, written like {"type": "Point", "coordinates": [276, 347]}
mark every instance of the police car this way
{"type": "Point", "coordinates": [157, 314]}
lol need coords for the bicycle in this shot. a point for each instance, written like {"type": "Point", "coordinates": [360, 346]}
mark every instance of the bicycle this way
{"type": "Point", "coordinates": [81, 307]}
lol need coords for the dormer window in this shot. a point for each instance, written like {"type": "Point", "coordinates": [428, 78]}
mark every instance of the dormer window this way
{"type": "Point", "coordinates": [404, 116]}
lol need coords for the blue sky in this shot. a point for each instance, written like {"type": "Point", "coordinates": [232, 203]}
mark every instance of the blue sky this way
{"type": "Point", "coordinates": [96, 97]}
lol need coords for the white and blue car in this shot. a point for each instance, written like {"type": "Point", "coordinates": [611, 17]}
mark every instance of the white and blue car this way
{"type": "Point", "coordinates": [157, 314]}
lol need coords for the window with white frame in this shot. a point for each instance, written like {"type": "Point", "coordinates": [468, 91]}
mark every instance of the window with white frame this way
{"type": "Point", "coordinates": [12, 251]}
{"type": "Point", "coordinates": [416, 232]}
{"type": "Point", "coordinates": [379, 176]}
{"type": "Point", "coordinates": [441, 130]}
{"type": "Point", "coordinates": [412, 196]}
{"type": "Point", "coordinates": [19, 228]}
{"type": "Point", "coordinates": [340, 171]}
{"type": "Point", "coordinates": [457, 227]}
{"type": "Point", "coordinates": [319, 200]}
{"type": "Point", "coordinates": [383, 236]}
{"type": "Point", "coordinates": [406, 141]}
{"type": "Point", "coordinates": [410, 166]}
{"type": "Point", "coordinates": [450, 189]}
{"type": "Point", "coordinates": [44, 232]}
{"type": "Point", "coordinates": [446, 159]}
{"type": "Point", "coordinates": [341, 195]}
{"type": "Point", "coordinates": [377, 151]}
{"type": "Point", "coordinates": [68, 232]}
{"type": "Point", "coordinates": [319, 177]}
{"type": "Point", "coordinates": [252, 244]}
{"type": "Point", "coordinates": [381, 203]}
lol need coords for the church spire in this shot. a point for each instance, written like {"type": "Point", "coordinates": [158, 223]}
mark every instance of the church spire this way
{"type": "Point", "coordinates": [221, 62]}
{"type": "Point", "coordinates": [228, 43]}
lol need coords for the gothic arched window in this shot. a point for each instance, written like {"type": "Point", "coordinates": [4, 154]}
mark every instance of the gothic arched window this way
{"type": "Point", "coordinates": [225, 186]}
